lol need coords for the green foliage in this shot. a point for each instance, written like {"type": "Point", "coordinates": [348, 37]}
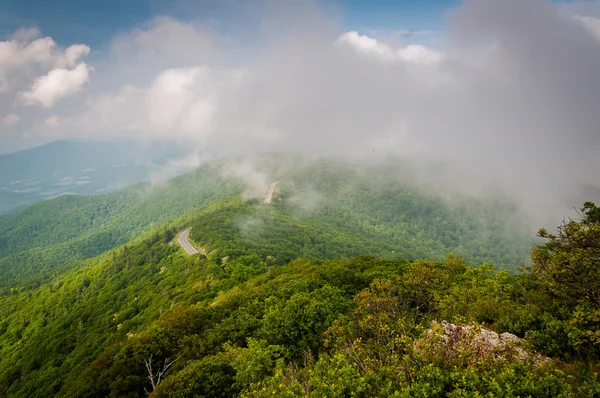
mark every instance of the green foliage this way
{"type": "Point", "coordinates": [332, 211]}
{"type": "Point", "coordinates": [58, 232]}
{"type": "Point", "coordinates": [90, 332]}
{"type": "Point", "coordinates": [212, 376]}
{"type": "Point", "coordinates": [380, 350]}
{"type": "Point", "coordinates": [322, 210]}
{"type": "Point", "coordinates": [310, 328]}
{"type": "Point", "coordinates": [299, 321]}
{"type": "Point", "coordinates": [251, 318]}
{"type": "Point", "coordinates": [568, 266]}
{"type": "Point", "coordinates": [254, 363]}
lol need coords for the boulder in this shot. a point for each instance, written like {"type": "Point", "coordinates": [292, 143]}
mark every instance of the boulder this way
{"type": "Point", "coordinates": [484, 342]}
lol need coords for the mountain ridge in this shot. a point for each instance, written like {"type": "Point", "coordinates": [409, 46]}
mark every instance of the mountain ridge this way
{"type": "Point", "coordinates": [77, 167]}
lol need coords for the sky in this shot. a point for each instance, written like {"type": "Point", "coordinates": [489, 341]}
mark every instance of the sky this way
{"type": "Point", "coordinates": [477, 94]}
{"type": "Point", "coordinates": [94, 22]}
{"type": "Point", "coordinates": [94, 30]}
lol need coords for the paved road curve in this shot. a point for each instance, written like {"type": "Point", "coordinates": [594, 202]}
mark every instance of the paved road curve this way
{"type": "Point", "coordinates": [270, 192]}
{"type": "Point", "coordinates": [182, 239]}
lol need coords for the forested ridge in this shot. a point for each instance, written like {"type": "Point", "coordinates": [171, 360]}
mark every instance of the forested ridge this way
{"type": "Point", "coordinates": [361, 211]}
{"type": "Point", "coordinates": [58, 232]}
{"type": "Point", "coordinates": [245, 327]}
{"type": "Point", "coordinates": [338, 288]}
{"type": "Point", "coordinates": [327, 211]}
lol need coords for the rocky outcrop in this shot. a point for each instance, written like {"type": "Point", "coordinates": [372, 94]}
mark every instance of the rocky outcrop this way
{"type": "Point", "coordinates": [481, 342]}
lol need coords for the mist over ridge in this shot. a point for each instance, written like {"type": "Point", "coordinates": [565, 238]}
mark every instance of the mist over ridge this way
{"type": "Point", "coordinates": [504, 104]}
{"type": "Point", "coordinates": [299, 198]}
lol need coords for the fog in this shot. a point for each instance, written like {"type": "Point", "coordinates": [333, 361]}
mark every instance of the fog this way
{"type": "Point", "coordinates": [508, 104]}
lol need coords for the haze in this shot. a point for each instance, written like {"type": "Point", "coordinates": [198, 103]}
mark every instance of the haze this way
{"type": "Point", "coordinates": [505, 101]}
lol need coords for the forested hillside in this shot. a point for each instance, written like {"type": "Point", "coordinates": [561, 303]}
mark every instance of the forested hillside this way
{"type": "Point", "coordinates": [288, 198]}
{"type": "Point", "coordinates": [322, 209]}
{"type": "Point", "coordinates": [328, 210]}
{"type": "Point", "coordinates": [55, 233]}
{"type": "Point", "coordinates": [241, 326]}
{"type": "Point", "coordinates": [282, 292]}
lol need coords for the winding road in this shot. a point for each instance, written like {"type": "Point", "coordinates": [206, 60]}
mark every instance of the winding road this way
{"type": "Point", "coordinates": [182, 239]}
{"type": "Point", "coordinates": [270, 192]}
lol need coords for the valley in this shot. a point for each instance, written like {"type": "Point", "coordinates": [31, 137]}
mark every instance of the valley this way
{"type": "Point", "coordinates": [77, 168]}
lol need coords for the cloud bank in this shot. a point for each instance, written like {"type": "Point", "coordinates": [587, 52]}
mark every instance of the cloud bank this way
{"type": "Point", "coordinates": [35, 71]}
{"type": "Point", "coordinates": [414, 53]}
{"type": "Point", "coordinates": [509, 103]}
{"type": "Point", "coordinates": [57, 84]}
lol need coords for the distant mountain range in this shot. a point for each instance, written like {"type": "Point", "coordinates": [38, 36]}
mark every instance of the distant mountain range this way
{"type": "Point", "coordinates": [78, 168]}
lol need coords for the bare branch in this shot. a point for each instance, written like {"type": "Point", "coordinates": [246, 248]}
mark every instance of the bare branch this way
{"type": "Point", "coordinates": [148, 363]}
{"type": "Point", "coordinates": [155, 378]}
{"type": "Point", "coordinates": [166, 366]}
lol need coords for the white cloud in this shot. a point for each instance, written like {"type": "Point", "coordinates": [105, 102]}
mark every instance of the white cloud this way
{"type": "Point", "coordinates": [27, 55]}
{"type": "Point", "coordinates": [170, 95]}
{"type": "Point", "coordinates": [25, 35]}
{"type": "Point", "coordinates": [367, 45]}
{"type": "Point", "coordinates": [25, 50]}
{"type": "Point", "coordinates": [3, 84]}
{"type": "Point", "coordinates": [16, 54]}
{"type": "Point", "coordinates": [414, 53]}
{"type": "Point", "coordinates": [419, 54]}
{"type": "Point", "coordinates": [71, 56]}
{"type": "Point", "coordinates": [160, 44]}
{"type": "Point", "coordinates": [10, 119]}
{"type": "Point", "coordinates": [57, 84]}
{"type": "Point", "coordinates": [180, 103]}
{"type": "Point", "coordinates": [514, 89]}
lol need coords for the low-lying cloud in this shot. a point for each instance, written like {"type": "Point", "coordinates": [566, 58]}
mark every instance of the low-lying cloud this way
{"type": "Point", "coordinates": [508, 103]}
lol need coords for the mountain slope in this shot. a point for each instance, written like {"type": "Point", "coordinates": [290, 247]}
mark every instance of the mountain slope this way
{"type": "Point", "coordinates": [328, 210]}
{"type": "Point", "coordinates": [57, 232]}
{"type": "Point", "coordinates": [243, 326]}
{"type": "Point", "coordinates": [322, 209]}
{"type": "Point", "coordinates": [252, 318]}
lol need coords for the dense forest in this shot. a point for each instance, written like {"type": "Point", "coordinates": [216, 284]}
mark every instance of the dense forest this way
{"type": "Point", "coordinates": [332, 209]}
{"type": "Point", "coordinates": [57, 232]}
{"type": "Point", "coordinates": [349, 283]}
{"type": "Point", "coordinates": [326, 211]}
{"type": "Point", "coordinates": [148, 319]}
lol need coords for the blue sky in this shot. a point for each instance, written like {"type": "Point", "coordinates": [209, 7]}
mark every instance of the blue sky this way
{"type": "Point", "coordinates": [95, 21]}
{"type": "Point", "coordinates": [68, 20]}
{"type": "Point", "coordinates": [401, 14]}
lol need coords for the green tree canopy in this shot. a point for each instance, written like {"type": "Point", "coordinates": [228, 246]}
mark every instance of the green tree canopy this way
{"type": "Point", "coordinates": [568, 263]}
